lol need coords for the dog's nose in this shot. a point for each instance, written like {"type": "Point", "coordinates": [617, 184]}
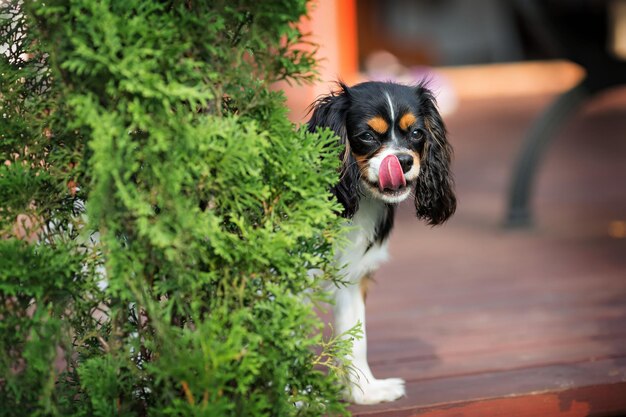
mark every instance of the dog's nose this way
{"type": "Point", "coordinates": [406, 162]}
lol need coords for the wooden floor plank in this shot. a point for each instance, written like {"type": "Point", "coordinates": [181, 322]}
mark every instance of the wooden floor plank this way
{"type": "Point", "coordinates": [402, 342]}
{"type": "Point", "coordinates": [593, 401]}
{"type": "Point", "coordinates": [487, 361]}
{"type": "Point", "coordinates": [435, 393]}
{"type": "Point", "coordinates": [410, 349]}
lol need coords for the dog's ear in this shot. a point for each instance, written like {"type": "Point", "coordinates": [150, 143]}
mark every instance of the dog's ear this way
{"type": "Point", "coordinates": [435, 200]}
{"type": "Point", "coordinates": [330, 111]}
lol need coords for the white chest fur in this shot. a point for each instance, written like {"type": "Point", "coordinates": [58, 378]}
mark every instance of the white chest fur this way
{"type": "Point", "coordinates": [362, 253]}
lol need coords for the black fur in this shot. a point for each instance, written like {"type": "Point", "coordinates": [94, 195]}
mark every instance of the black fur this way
{"type": "Point", "coordinates": [384, 226]}
{"type": "Point", "coordinates": [330, 111]}
{"type": "Point", "coordinates": [435, 200]}
{"type": "Point", "coordinates": [347, 111]}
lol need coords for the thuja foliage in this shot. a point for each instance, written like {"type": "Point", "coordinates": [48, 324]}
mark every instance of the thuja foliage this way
{"type": "Point", "coordinates": [159, 213]}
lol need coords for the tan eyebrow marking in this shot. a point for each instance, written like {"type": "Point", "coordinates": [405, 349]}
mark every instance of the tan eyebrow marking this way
{"type": "Point", "coordinates": [378, 124]}
{"type": "Point", "coordinates": [407, 120]}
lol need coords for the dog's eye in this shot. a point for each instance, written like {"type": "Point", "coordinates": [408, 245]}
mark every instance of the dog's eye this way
{"type": "Point", "coordinates": [416, 134]}
{"type": "Point", "coordinates": [367, 137]}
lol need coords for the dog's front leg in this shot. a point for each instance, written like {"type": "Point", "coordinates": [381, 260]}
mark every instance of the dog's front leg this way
{"type": "Point", "coordinates": [349, 310]}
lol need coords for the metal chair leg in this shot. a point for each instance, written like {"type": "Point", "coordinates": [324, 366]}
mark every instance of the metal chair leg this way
{"type": "Point", "coordinates": [542, 131]}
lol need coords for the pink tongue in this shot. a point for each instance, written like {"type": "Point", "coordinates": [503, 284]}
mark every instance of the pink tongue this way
{"type": "Point", "coordinates": [390, 175]}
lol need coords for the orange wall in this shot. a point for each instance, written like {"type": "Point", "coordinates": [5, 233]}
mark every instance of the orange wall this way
{"type": "Point", "coordinates": [332, 26]}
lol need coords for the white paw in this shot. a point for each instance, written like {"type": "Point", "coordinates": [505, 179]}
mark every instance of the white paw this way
{"type": "Point", "coordinates": [376, 391]}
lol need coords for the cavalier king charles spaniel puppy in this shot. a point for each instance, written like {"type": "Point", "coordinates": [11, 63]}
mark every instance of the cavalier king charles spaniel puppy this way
{"type": "Point", "coordinates": [394, 145]}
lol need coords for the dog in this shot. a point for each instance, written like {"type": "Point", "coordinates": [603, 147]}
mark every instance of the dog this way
{"type": "Point", "coordinates": [394, 145]}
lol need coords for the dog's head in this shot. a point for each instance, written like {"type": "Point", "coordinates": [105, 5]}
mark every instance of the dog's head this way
{"type": "Point", "coordinates": [395, 142]}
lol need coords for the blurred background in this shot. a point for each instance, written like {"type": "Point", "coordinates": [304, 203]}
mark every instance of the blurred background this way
{"type": "Point", "coordinates": [523, 291]}
{"type": "Point", "coordinates": [559, 59]}
{"type": "Point", "coordinates": [404, 39]}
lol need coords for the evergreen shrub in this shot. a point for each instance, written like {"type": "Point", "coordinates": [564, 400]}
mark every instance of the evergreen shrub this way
{"type": "Point", "coordinates": [159, 213]}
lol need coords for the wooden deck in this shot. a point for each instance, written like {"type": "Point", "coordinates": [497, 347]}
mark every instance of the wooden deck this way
{"type": "Point", "coordinates": [484, 322]}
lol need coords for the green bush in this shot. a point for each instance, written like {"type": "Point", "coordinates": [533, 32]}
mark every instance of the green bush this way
{"type": "Point", "coordinates": [180, 288]}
